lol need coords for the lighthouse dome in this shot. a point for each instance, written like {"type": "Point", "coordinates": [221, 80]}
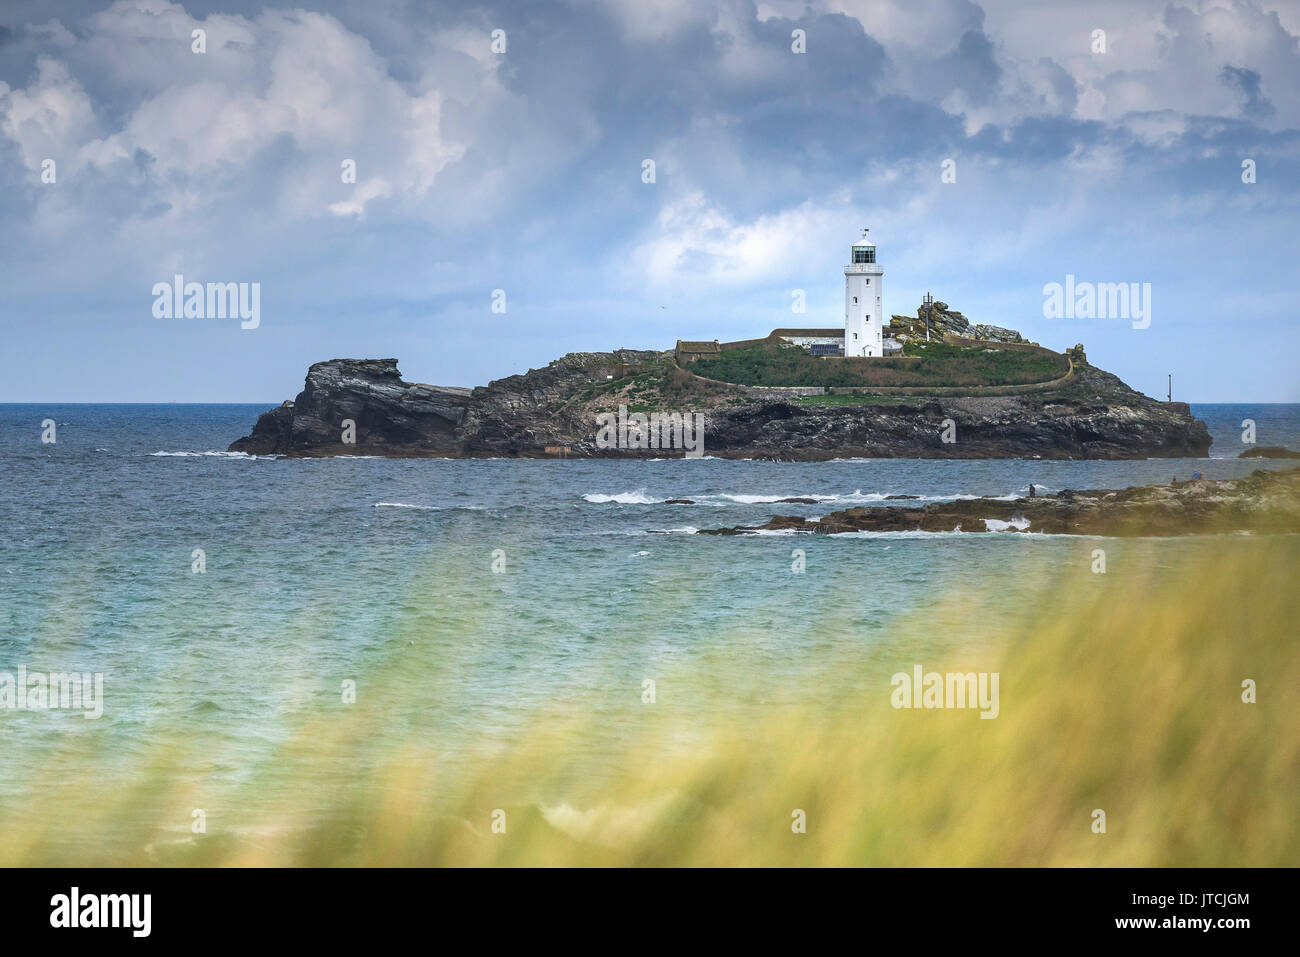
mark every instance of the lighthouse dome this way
{"type": "Point", "coordinates": [863, 251]}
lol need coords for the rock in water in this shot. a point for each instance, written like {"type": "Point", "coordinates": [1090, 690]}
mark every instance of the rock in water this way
{"type": "Point", "coordinates": [1264, 501]}
{"type": "Point", "coordinates": [389, 416]}
{"type": "Point", "coordinates": [1269, 452]}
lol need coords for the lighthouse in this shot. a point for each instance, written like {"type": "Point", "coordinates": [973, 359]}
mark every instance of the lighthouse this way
{"type": "Point", "coordinates": [863, 312]}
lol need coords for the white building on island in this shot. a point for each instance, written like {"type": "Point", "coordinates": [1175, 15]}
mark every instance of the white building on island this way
{"type": "Point", "coordinates": [863, 335]}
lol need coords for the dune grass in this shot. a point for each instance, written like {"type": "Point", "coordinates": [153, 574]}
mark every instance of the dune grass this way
{"type": "Point", "coordinates": [1132, 705]}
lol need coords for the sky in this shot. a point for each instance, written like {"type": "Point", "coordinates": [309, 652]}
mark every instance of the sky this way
{"type": "Point", "coordinates": [500, 154]}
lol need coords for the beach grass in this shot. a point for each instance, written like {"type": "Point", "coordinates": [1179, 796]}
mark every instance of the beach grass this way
{"type": "Point", "coordinates": [1132, 705]}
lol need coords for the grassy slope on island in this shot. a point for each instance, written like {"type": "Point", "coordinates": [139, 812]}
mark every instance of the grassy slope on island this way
{"type": "Point", "coordinates": [651, 385]}
{"type": "Point", "coordinates": [923, 364]}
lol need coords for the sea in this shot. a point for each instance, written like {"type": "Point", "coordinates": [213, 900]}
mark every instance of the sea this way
{"type": "Point", "coordinates": [233, 595]}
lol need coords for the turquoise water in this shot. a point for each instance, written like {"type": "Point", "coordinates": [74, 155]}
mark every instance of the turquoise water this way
{"type": "Point", "coordinates": [325, 570]}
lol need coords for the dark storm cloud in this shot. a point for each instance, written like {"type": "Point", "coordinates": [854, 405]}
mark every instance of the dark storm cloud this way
{"type": "Point", "coordinates": [1256, 105]}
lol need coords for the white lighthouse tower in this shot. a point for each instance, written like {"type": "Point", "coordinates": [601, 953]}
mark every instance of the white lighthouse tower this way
{"type": "Point", "coordinates": [863, 313]}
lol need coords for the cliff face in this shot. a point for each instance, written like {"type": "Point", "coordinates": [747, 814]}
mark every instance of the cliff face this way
{"type": "Point", "coordinates": [391, 416]}
{"type": "Point", "coordinates": [1097, 417]}
{"type": "Point", "coordinates": [1094, 416]}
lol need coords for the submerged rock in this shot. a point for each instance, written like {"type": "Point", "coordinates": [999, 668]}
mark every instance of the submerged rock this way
{"type": "Point", "coordinates": [1264, 501]}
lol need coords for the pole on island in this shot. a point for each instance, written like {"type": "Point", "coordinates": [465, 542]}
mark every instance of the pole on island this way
{"type": "Point", "coordinates": [1171, 387]}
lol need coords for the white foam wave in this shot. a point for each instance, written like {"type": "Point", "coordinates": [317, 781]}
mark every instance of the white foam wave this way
{"type": "Point", "coordinates": [1019, 523]}
{"type": "Point", "coordinates": [912, 533]}
{"type": "Point", "coordinates": [431, 508]}
{"type": "Point", "coordinates": [211, 453]}
{"type": "Point", "coordinates": [639, 497]}
{"type": "Point", "coordinates": [773, 499]}
{"type": "Point", "coordinates": [856, 497]}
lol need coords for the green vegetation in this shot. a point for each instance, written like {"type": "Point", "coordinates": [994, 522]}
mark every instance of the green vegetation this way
{"type": "Point", "coordinates": [654, 386]}
{"type": "Point", "coordinates": [923, 364]}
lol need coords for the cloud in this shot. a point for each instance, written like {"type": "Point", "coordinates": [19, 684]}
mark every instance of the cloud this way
{"type": "Point", "coordinates": [50, 118]}
{"type": "Point", "coordinates": [1161, 55]}
{"type": "Point", "coordinates": [296, 77]}
{"type": "Point", "coordinates": [1254, 104]}
{"type": "Point", "coordinates": [477, 170]}
{"type": "Point", "coordinates": [696, 241]}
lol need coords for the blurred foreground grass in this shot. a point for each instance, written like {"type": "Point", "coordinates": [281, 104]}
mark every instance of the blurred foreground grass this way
{"type": "Point", "coordinates": [1132, 704]}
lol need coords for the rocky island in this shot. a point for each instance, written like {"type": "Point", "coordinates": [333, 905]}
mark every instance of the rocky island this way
{"type": "Point", "coordinates": [1081, 412]}
{"type": "Point", "coordinates": [1264, 501]}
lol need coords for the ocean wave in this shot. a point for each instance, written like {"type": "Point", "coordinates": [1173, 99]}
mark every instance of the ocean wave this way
{"type": "Point", "coordinates": [856, 497]}
{"type": "Point", "coordinates": [684, 530]}
{"type": "Point", "coordinates": [639, 497]}
{"type": "Point", "coordinates": [910, 533]}
{"type": "Point", "coordinates": [919, 533]}
{"type": "Point", "coordinates": [430, 508]}
{"type": "Point", "coordinates": [771, 499]}
{"type": "Point", "coordinates": [211, 453]}
{"type": "Point", "coordinates": [997, 525]}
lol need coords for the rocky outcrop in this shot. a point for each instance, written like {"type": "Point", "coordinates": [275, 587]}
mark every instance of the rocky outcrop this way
{"type": "Point", "coordinates": [1269, 452]}
{"type": "Point", "coordinates": [945, 321]}
{"type": "Point", "coordinates": [1093, 416]}
{"type": "Point", "coordinates": [1264, 501]}
{"type": "Point", "coordinates": [995, 333]}
{"type": "Point", "coordinates": [389, 416]}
